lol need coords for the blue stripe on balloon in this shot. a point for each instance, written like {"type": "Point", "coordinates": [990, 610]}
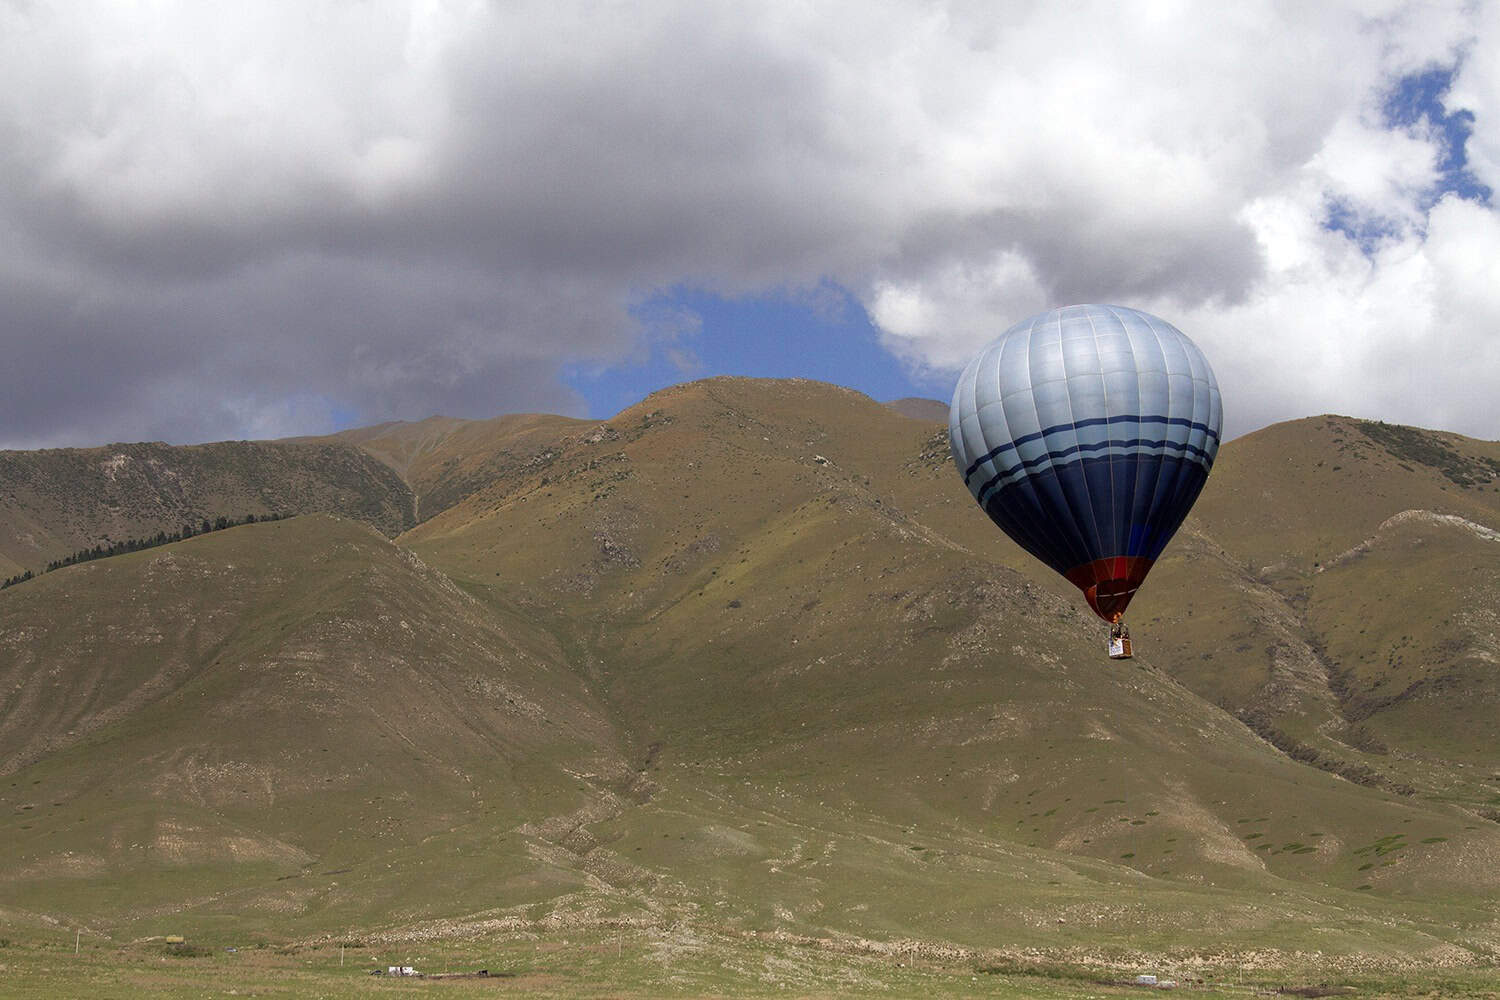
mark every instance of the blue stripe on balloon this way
{"type": "Point", "coordinates": [1030, 525]}
{"type": "Point", "coordinates": [1121, 418]}
{"type": "Point", "coordinates": [1205, 459]}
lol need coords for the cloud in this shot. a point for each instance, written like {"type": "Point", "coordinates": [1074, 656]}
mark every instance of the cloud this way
{"type": "Point", "coordinates": [1476, 90]}
{"type": "Point", "coordinates": [1243, 180]}
{"type": "Point", "coordinates": [271, 218]}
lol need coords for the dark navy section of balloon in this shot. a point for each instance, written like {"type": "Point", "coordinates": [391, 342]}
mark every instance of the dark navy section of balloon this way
{"type": "Point", "coordinates": [1160, 491]}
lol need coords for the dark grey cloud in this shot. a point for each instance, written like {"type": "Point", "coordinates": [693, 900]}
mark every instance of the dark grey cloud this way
{"type": "Point", "coordinates": [277, 217]}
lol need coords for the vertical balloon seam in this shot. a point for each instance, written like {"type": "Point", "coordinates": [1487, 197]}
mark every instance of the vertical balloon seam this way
{"type": "Point", "coordinates": [1158, 485]}
{"type": "Point", "coordinates": [1135, 456]}
{"type": "Point", "coordinates": [957, 441]}
{"type": "Point", "coordinates": [1199, 468]}
{"type": "Point", "coordinates": [1135, 364]}
{"type": "Point", "coordinates": [1202, 379]}
{"type": "Point", "coordinates": [1039, 529]}
{"type": "Point", "coordinates": [1162, 496]}
{"type": "Point", "coordinates": [1048, 475]}
{"type": "Point", "coordinates": [1090, 546]}
{"type": "Point", "coordinates": [1082, 476]}
{"type": "Point", "coordinates": [1218, 412]}
{"type": "Point", "coordinates": [1068, 483]}
{"type": "Point", "coordinates": [1130, 458]}
{"type": "Point", "coordinates": [971, 386]}
{"type": "Point", "coordinates": [1077, 447]}
{"type": "Point", "coordinates": [1139, 446]}
{"type": "Point", "coordinates": [1189, 473]}
{"type": "Point", "coordinates": [1193, 478]}
{"type": "Point", "coordinates": [1211, 423]}
{"type": "Point", "coordinates": [1173, 511]}
{"type": "Point", "coordinates": [1070, 544]}
{"type": "Point", "coordinates": [1023, 533]}
{"type": "Point", "coordinates": [1022, 530]}
{"type": "Point", "coordinates": [1171, 502]}
{"type": "Point", "coordinates": [1066, 534]}
{"type": "Point", "coordinates": [1145, 484]}
{"type": "Point", "coordinates": [1109, 458]}
{"type": "Point", "coordinates": [1130, 467]}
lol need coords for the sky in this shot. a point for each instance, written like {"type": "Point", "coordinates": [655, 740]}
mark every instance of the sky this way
{"type": "Point", "coordinates": [275, 218]}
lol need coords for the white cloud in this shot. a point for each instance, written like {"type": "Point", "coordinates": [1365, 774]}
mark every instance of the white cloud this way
{"type": "Point", "coordinates": [1380, 173]}
{"type": "Point", "coordinates": [1406, 333]}
{"type": "Point", "coordinates": [1203, 193]}
{"type": "Point", "coordinates": [936, 318]}
{"type": "Point", "coordinates": [300, 209]}
{"type": "Point", "coordinates": [1476, 89]}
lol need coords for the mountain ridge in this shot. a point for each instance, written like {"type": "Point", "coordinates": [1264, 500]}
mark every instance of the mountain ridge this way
{"type": "Point", "coordinates": [797, 683]}
{"type": "Point", "coordinates": [63, 500]}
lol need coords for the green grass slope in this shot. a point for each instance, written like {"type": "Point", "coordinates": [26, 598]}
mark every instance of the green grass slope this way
{"type": "Point", "coordinates": [840, 681]}
{"type": "Point", "coordinates": [59, 501]}
{"type": "Point", "coordinates": [282, 721]}
{"type": "Point", "coordinates": [746, 663]}
{"type": "Point", "coordinates": [444, 460]}
{"type": "Point", "coordinates": [1334, 588]}
{"type": "Point", "coordinates": [1294, 495]}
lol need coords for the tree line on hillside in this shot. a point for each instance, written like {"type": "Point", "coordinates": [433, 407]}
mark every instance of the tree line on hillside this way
{"type": "Point", "coordinates": [104, 551]}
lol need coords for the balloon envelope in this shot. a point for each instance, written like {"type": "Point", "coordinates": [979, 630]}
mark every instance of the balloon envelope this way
{"type": "Point", "coordinates": [1086, 433]}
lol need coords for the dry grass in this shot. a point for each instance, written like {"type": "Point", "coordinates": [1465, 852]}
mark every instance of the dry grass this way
{"type": "Point", "coordinates": [747, 661]}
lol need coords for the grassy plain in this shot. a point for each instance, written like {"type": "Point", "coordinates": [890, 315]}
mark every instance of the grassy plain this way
{"type": "Point", "coordinates": [634, 962]}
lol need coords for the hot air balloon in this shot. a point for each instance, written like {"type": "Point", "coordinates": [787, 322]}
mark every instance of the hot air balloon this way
{"type": "Point", "coordinates": [1086, 433]}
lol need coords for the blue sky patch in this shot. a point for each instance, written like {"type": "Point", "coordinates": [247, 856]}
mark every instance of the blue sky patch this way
{"type": "Point", "coordinates": [823, 334]}
{"type": "Point", "coordinates": [1416, 103]}
{"type": "Point", "coordinates": [1418, 98]}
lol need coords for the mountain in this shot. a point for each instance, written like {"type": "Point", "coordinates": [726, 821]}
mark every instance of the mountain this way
{"type": "Point", "coordinates": [236, 716]}
{"type": "Point", "coordinates": [60, 501]}
{"type": "Point", "coordinates": [1335, 588]}
{"type": "Point", "coordinates": [443, 460]}
{"type": "Point", "coordinates": [748, 657]}
{"type": "Point", "coordinates": [932, 410]}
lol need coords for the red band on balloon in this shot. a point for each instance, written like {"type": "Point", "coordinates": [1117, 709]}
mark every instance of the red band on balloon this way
{"type": "Point", "coordinates": [1109, 584]}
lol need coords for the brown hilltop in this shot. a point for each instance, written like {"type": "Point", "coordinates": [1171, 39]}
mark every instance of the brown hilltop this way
{"type": "Point", "coordinates": [931, 410]}
{"type": "Point", "coordinates": [1295, 494]}
{"type": "Point", "coordinates": [444, 459]}
{"type": "Point", "coordinates": [749, 649]}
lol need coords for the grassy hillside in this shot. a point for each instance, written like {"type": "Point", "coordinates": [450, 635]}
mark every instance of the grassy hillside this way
{"type": "Point", "coordinates": [279, 721]}
{"type": "Point", "coordinates": [444, 460]}
{"type": "Point", "coordinates": [59, 501]}
{"type": "Point", "coordinates": [1293, 496]}
{"type": "Point", "coordinates": [746, 663]}
{"type": "Point", "coordinates": [931, 410]}
{"type": "Point", "coordinates": [1334, 588]}
{"type": "Point", "coordinates": [784, 592]}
